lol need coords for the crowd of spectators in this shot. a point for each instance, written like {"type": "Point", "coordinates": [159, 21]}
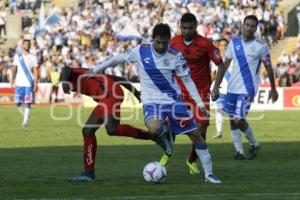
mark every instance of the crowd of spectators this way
{"type": "Point", "coordinates": [95, 30]}
{"type": "Point", "coordinates": [287, 69]}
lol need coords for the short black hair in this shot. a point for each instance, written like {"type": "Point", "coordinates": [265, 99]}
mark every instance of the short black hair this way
{"type": "Point", "coordinates": [26, 40]}
{"type": "Point", "coordinates": [253, 17]}
{"type": "Point", "coordinates": [162, 30]}
{"type": "Point", "coordinates": [188, 17]}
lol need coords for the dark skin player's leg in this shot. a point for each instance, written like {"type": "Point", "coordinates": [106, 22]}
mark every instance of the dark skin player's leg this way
{"type": "Point", "coordinates": [92, 124]}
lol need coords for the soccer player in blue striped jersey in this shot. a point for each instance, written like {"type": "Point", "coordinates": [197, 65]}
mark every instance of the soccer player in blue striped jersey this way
{"type": "Point", "coordinates": [164, 108]}
{"type": "Point", "coordinates": [247, 54]}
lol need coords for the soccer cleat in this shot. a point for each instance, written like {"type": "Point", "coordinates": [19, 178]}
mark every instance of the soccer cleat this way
{"type": "Point", "coordinates": [217, 136]}
{"type": "Point", "coordinates": [239, 156]}
{"type": "Point", "coordinates": [165, 141]}
{"type": "Point", "coordinates": [253, 151]}
{"type": "Point", "coordinates": [83, 177]}
{"type": "Point", "coordinates": [193, 167]}
{"type": "Point", "coordinates": [25, 125]}
{"type": "Point", "coordinates": [212, 179]}
{"type": "Point", "coordinates": [165, 159]}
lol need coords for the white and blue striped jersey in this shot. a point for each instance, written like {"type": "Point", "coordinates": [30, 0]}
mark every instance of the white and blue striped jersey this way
{"type": "Point", "coordinates": [157, 72]}
{"type": "Point", "coordinates": [247, 58]}
{"type": "Point", "coordinates": [30, 63]}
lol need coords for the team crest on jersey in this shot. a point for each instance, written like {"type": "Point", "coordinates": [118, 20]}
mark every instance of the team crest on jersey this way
{"type": "Point", "coordinates": [217, 54]}
{"type": "Point", "coordinates": [166, 62]}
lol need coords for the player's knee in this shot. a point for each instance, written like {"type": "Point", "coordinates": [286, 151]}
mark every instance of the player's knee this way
{"type": "Point", "coordinates": [155, 130]}
{"type": "Point", "coordinates": [88, 131]}
{"type": "Point", "coordinates": [111, 130]}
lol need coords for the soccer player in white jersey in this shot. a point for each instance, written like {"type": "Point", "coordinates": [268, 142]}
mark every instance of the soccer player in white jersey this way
{"type": "Point", "coordinates": [164, 108]}
{"type": "Point", "coordinates": [222, 45]}
{"type": "Point", "coordinates": [247, 53]}
{"type": "Point", "coordinates": [24, 78]}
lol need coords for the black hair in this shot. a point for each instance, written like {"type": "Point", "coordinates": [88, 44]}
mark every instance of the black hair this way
{"type": "Point", "coordinates": [26, 40]}
{"type": "Point", "coordinates": [162, 30]}
{"type": "Point", "coordinates": [188, 17]}
{"type": "Point", "coordinates": [253, 17]}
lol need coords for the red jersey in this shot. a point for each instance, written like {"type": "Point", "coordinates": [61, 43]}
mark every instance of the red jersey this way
{"type": "Point", "coordinates": [98, 87]}
{"type": "Point", "coordinates": [198, 55]}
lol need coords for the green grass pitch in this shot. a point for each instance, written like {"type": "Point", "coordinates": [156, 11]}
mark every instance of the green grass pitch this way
{"type": "Point", "coordinates": [35, 163]}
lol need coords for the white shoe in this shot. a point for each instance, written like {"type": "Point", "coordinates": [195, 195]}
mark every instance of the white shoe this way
{"type": "Point", "coordinates": [212, 179]}
{"type": "Point", "coordinates": [217, 136]}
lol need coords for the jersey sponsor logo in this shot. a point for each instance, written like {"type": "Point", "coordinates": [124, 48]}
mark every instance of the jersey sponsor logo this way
{"type": "Point", "coordinates": [147, 60]}
{"type": "Point", "coordinates": [238, 47]}
{"type": "Point", "coordinates": [185, 122]}
{"type": "Point", "coordinates": [89, 158]}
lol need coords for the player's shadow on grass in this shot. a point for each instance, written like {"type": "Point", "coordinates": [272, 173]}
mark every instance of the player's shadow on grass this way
{"type": "Point", "coordinates": [43, 172]}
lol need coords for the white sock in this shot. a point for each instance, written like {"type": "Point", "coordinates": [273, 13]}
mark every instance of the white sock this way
{"type": "Point", "coordinates": [219, 122]}
{"type": "Point", "coordinates": [205, 159]}
{"type": "Point", "coordinates": [21, 109]}
{"type": "Point", "coordinates": [26, 115]}
{"type": "Point", "coordinates": [237, 140]}
{"type": "Point", "coordinates": [250, 136]}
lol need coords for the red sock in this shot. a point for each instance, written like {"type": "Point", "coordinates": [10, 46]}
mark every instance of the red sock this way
{"type": "Point", "coordinates": [193, 155]}
{"type": "Point", "coordinates": [89, 154]}
{"type": "Point", "coordinates": [130, 131]}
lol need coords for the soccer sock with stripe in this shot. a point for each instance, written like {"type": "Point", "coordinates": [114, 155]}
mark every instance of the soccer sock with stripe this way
{"type": "Point", "coordinates": [205, 158]}
{"type": "Point", "coordinates": [89, 154]}
{"type": "Point", "coordinates": [250, 135]}
{"type": "Point", "coordinates": [237, 140]}
{"type": "Point", "coordinates": [130, 131]}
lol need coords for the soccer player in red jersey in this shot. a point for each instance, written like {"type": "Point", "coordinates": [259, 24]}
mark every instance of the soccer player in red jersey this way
{"type": "Point", "coordinates": [198, 52]}
{"type": "Point", "coordinates": [107, 92]}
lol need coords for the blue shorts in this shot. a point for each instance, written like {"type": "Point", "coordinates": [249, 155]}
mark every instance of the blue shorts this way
{"type": "Point", "coordinates": [220, 101]}
{"type": "Point", "coordinates": [177, 115]}
{"type": "Point", "coordinates": [237, 105]}
{"type": "Point", "coordinates": [23, 95]}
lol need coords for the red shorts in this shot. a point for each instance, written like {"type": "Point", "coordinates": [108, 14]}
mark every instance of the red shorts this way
{"type": "Point", "coordinates": [198, 115]}
{"type": "Point", "coordinates": [110, 105]}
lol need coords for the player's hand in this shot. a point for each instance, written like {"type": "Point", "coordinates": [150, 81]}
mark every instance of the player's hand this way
{"type": "Point", "coordinates": [12, 84]}
{"type": "Point", "coordinates": [205, 112]}
{"type": "Point", "coordinates": [66, 87]}
{"type": "Point", "coordinates": [273, 95]}
{"type": "Point", "coordinates": [215, 93]}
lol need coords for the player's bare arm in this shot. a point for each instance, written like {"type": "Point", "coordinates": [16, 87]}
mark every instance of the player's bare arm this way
{"type": "Point", "coordinates": [219, 77]}
{"type": "Point", "coordinates": [191, 88]}
{"type": "Point", "coordinates": [36, 78]}
{"type": "Point", "coordinates": [14, 72]}
{"type": "Point", "coordinates": [273, 93]}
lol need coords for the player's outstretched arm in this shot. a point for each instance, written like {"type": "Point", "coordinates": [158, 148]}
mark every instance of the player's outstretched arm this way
{"type": "Point", "coordinates": [122, 81]}
{"type": "Point", "coordinates": [219, 77]}
{"type": "Point", "coordinates": [191, 88]}
{"type": "Point", "coordinates": [111, 62]}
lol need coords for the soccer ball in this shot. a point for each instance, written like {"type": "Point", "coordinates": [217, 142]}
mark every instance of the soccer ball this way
{"type": "Point", "coordinates": [154, 172]}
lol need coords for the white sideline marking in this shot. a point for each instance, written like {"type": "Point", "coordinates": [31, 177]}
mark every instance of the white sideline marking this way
{"type": "Point", "coordinates": [177, 196]}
